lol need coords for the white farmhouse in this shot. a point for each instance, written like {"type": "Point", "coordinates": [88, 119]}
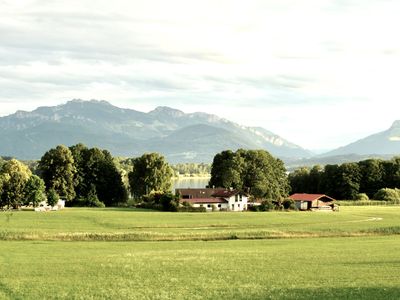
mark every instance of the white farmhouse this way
{"type": "Point", "coordinates": [215, 199]}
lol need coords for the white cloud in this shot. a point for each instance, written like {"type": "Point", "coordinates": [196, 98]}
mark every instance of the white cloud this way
{"type": "Point", "coordinates": [285, 65]}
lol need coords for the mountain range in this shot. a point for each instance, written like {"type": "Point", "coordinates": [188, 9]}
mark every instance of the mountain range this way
{"type": "Point", "coordinates": [181, 137]}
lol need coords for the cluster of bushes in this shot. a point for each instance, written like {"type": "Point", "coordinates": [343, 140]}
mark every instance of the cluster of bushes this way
{"type": "Point", "coordinates": [191, 209]}
{"type": "Point", "coordinates": [386, 194]}
{"type": "Point", "coordinates": [269, 204]}
{"type": "Point", "coordinates": [159, 201]}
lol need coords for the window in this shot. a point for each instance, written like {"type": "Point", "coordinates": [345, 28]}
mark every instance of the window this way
{"type": "Point", "coordinates": [219, 205]}
{"type": "Point", "coordinates": [236, 198]}
{"type": "Point", "coordinates": [241, 197]}
{"type": "Point", "coordinates": [209, 205]}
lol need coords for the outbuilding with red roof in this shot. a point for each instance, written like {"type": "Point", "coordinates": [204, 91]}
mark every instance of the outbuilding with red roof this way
{"type": "Point", "coordinates": [313, 201]}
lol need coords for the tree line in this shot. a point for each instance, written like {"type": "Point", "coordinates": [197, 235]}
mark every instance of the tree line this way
{"type": "Point", "coordinates": [93, 177]}
{"type": "Point", "coordinates": [191, 169]}
{"type": "Point", "coordinates": [83, 177]}
{"type": "Point", "coordinates": [348, 180]}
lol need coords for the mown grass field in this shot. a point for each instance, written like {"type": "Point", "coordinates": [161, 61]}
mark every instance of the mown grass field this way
{"type": "Point", "coordinates": [130, 254]}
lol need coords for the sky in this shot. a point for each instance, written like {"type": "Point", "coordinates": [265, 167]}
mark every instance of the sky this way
{"type": "Point", "coordinates": [319, 73]}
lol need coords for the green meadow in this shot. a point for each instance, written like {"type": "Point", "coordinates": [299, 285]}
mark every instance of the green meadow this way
{"type": "Point", "coordinates": [137, 254]}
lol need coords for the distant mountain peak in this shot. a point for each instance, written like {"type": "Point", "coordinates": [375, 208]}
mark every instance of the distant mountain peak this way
{"type": "Point", "coordinates": [92, 101]}
{"type": "Point", "coordinates": [167, 111]}
{"type": "Point", "coordinates": [396, 124]}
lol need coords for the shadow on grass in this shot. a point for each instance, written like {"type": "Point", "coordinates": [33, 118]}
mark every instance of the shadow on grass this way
{"type": "Point", "coordinates": [6, 291]}
{"type": "Point", "coordinates": [345, 293]}
{"type": "Point", "coordinates": [118, 209]}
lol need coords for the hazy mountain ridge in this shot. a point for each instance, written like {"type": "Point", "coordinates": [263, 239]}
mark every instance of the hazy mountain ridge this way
{"type": "Point", "coordinates": [126, 132]}
{"type": "Point", "coordinates": [383, 143]}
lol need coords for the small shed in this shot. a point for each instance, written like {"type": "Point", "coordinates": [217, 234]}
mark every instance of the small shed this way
{"type": "Point", "coordinates": [313, 201]}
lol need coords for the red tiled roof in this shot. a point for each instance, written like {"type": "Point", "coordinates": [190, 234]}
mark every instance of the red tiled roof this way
{"type": "Point", "coordinates": [204, 200]}
{"type": "Point", "coordinates": [225, 193]}
{"type": "Point", "coordinates": [310, 197]}
{"type": "Point", "coordinates": [192, 193]}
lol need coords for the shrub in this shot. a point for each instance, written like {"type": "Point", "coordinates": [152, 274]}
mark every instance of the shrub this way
{"type": "Point", "coordinates": [160, 201]}
{"type": "Point", "coordinates": [387, 194]}
{"type": "Point", "coordinates": [266, 205]}
{"type": "Point", "coordinates": [186, 204]}
{"type": "Point", "coordinates": [149, 205]}
{"type": "Point", "coordinates": [93, 201]}
{"type": "Point", "coordinates": [90, 200]}
{"type": "Point", "coordinates": [52, 197]}
{"type": "Point", "coordinates": [289, 204]}
{"type": "Point", "coordinates": [169, 202]}
{"type": "Point", "coordinates": [191, 209]}
{"type": "Point", "coordinates": [362, 197]}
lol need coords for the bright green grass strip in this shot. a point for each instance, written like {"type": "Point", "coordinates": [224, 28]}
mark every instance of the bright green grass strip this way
{"type": "Point", "coordinates": [329, 268]}
{"type": "Point", "coordinates": [139, 225]}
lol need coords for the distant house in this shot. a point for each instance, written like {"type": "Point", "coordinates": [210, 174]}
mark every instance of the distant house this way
{"type": "Point", "coordinates": [313, 201]}
{"type": "Point", "coordinates": [219, 198]}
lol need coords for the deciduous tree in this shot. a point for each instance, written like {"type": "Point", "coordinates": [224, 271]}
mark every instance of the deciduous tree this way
{"type": "Point", "coordinates": [35, 191]}
{"type": "Point", "coordinates": [255, 171]}
{"type": "Point", "coordinates": [58, 170]}
{"type": "Point", "coordinates": [97, 174]}
{"type": "Point", "coordinates": [14, 176]}
{"type": "Point", "coordinates": [150, 173]}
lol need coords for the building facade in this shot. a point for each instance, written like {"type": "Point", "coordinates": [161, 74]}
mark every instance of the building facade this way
{"type": "Point", "coordinates": [215, 199]}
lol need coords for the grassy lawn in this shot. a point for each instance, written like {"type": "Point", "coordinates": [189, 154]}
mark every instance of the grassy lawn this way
{"type": "Point", "coordinates": [62, 255]}
{"type": "Point", "coordinates": [141, 225]}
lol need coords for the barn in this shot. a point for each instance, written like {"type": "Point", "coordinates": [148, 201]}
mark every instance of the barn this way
{"type": "Point", "coordinates": [313, 201]}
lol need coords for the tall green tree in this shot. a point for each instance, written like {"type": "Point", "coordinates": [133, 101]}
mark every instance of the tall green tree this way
{"type": "Point", "coordinates": [330, 181]}
{"type": "Point", "coordinates": [78, 152]}
{"type": "Point", "coordinates": [97, 174]}
{"type": "Point", "coordinates": [263, 175]}
{"type": "Point", "coordinates": [349, 181]}
{"type": "Point", "coordinates": [314, 180]}
{"type": "Point", "coordinates": [391, 176]}
{"type": "Point", "coordinates": [109, 184]}
{"type": "Point", "coordinates": [14, 176]}
{"type": "Point", "coordinates": [226, 170]}
{"type": "Point", "coordinates": [299, 180]}
{"type": "Point", "coordinates": [34, 191]}
{"type": "Point", "coordinates": [57, 169]}
{"type": "Point", "coordinates": [150, 173]}
{"type": "Point", "coordinates": [255, 171]}
{"type": "Point", "coordinates": [372, 176]}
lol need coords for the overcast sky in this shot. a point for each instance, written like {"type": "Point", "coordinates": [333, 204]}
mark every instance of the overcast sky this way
{"type": "Point", "coordinates": [320, 73]}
